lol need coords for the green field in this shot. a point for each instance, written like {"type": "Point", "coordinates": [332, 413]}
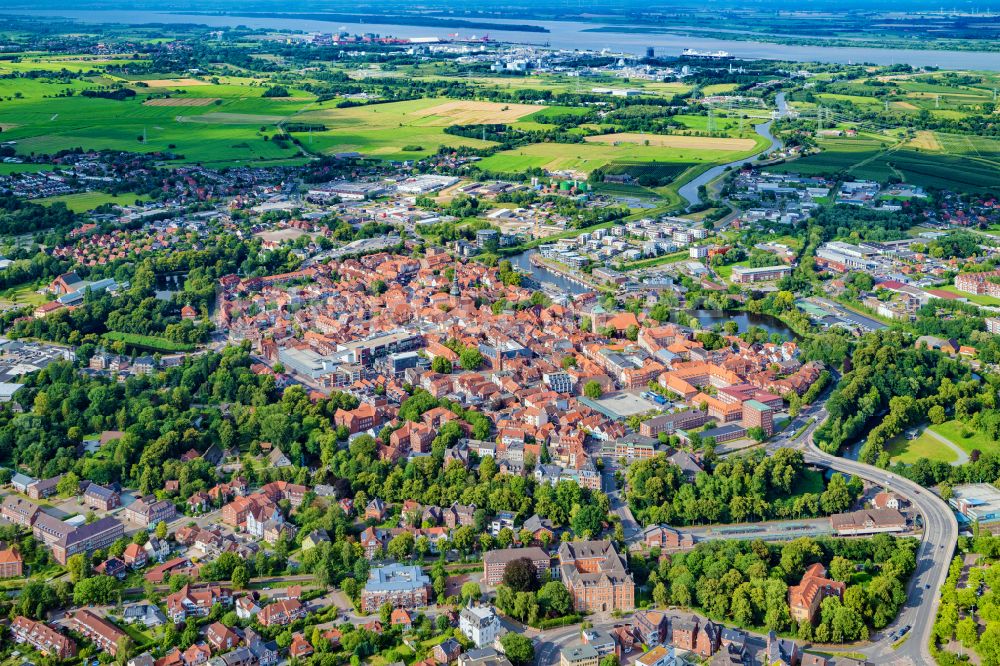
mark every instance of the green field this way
{"type": "Point", "coordinates": [909, 451]}
{"type": "Point", "coordinates": [953, 431]}
{"type": "Point", "coordinates": [213, 124]}
{"type": "Point", "coordinates": [82, 202]}
{"type": "Point", "coordinates": [585, 157]}
{"type": "Point", "coordinates": [149, 343]}
{"type": "Point", "coordinates": [978, 299]}
{"type": "Point", "coordinates": [383, 130]}
{"type": "Point", "coordinates": [945, 161]}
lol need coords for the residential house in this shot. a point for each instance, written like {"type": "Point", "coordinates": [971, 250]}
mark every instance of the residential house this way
{"type": "Point", "coordinates": [281, 613]}
{"type": "Point", "coordinates": [42, 637]}
{"type": "Point", "coordinates": [103, 634]}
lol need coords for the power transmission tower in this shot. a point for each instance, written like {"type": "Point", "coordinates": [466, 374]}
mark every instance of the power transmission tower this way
{"type": "Point", "coordinates": [711, 121]}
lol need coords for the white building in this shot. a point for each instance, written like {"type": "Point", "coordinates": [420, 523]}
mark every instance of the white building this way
{"type": "Point", "coordinates": [479, 624]}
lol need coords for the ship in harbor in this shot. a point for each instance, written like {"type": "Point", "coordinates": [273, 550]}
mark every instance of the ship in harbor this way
{"type": "Point", "coordinates": [707, 55]}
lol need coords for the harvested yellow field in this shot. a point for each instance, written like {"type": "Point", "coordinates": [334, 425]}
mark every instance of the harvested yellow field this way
{"type": "Point", "coordinates": [170, 83]}
{"type": "Point", "coordinates": [903, 105]}
{"type": "Point", "coordinates": [925, 140]}
{"type": "Point", "coordinates": [478, 113]}
{"type": "Point", "coordinates": [674, 141]}
{"type": "Point", "coordinates": [181, 101]}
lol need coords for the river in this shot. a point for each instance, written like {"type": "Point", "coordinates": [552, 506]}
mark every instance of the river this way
{"type": "Point", "coordinates": [689, 191]}
{"type": "Point", "coordinates": [564, 35]}
{"type": "Point", "coordinates": [706, 318]}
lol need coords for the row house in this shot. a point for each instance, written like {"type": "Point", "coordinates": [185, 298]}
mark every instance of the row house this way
{"type": "Point", "coordinates": [105, 636]}
{"type": "Point", "coordinates": [42, 637]}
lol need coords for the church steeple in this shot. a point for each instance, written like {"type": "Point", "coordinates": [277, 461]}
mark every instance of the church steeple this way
{"type": "Point", "coordinates": [455, 290]}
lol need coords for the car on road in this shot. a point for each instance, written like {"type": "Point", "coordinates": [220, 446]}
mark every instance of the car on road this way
{"type": "Point", "coordinates": [904, 630]}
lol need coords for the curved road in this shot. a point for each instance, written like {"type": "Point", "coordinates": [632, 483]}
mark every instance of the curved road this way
{"type": "Point", "coordinates": [689, 191]}
{"type": "Point", "coordinates": [933, 555]}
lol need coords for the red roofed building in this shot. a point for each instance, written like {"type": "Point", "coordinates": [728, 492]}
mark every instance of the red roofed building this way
{"type": "Point", "coordinates": [805, 598]}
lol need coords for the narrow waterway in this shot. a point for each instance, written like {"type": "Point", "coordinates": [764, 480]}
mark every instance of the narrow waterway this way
{"type": "Point", "coordinates": [689, 191]}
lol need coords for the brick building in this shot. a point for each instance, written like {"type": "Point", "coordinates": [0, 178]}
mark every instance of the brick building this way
{"type": "Point", "coordinates": [495, 562]}
{"type": "Point", "coordinates": [596, 576]}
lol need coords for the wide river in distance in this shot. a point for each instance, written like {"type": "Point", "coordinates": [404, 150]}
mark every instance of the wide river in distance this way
{"type": "Point", "coordinates": [561, 35]}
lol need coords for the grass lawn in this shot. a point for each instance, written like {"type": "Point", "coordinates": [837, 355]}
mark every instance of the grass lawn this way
{"type": "Point", "coordinates": [7, 169]}
{"type": "Point", "coordinates": [811, 481]}
{"type": "Point", "coordinates": [656, 261]}
{"type": "Point", "coordinates": [978, 299]}
{"type": "Point", "coordinates": [953, 430]}
{"type": "Point", "coordinates": [26, 294]}
{"type": "Point", "coordinates": [910, 451]}
{"type": "Point", "coordinates": [727, 270]}
{"type": "Point", "coordinates": [81, 202]}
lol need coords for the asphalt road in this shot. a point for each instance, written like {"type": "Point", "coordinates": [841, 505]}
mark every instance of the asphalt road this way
{"type": "Point", "coordinates": [934, 554]}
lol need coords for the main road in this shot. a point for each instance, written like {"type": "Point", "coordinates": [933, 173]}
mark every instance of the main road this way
{"type": "Point", "coordinates": [934, 553]}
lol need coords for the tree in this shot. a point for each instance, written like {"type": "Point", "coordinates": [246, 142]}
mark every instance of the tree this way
{"type": "Point", "coordinates": [161, 530]}
{"type": "Point", "coordinates": [936, 414]}
{"type": "Point", "coordinates": [521, 575]}
{"type": "Point", "coordinates": [401, 546]}
{"type": "Point", "coordinates": [841, 568]}
{"type": "Point", "coordinates": [441, 365]}
{"type": "Point", "coordinates": [385, 613]}
{"type": "Point", "coordinates": [587, 521]}
{"type": "Point", "coordinates": [555, 598]}
{"type": "Point", "coordinates": [78, 567]}
{"type": "Point", "coordinates": [592, 390]}
{"type": "Point", "coordinates": [967, 632]}
{"type": "Point", "coordinates": [660, 596]}
{"type": "Point", "coordinates": [471, 591]}
{"type": "Point", "coordinates": [518, 648]}
{"type": "Point", "coordinates": [470, 358]}
{"type": "Point", "coordinates": [95, 591]}
{"type": "Point", "coordinates": [69, 485]}
{"type": "Point", "coordinates": [241, 579]}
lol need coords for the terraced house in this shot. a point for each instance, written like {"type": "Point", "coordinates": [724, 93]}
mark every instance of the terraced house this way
{"type": "Point", "coordinates": [42, 637]}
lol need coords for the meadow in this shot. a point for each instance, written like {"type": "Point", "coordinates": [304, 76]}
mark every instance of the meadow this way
{"type": "Point", "coordinates": [81, 202]}
{"type": "Point", "coordinates": [387, 130]}
{"type": "Point", "coordinates": [45, 116]}
{"type": "Point", "coordinates": [585, 157]}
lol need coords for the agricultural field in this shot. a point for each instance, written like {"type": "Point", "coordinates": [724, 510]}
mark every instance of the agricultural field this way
{"type": "Point", "coordinates": [588, 156]}
{"type": "Point", "coordinates": [387, 130]}
{"type": "Point", "coordinates": [930, 159]}
{"type": "Point", "coordinates": [214, 124]}
{"type": "Point", "coordinates": [82, 202]}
